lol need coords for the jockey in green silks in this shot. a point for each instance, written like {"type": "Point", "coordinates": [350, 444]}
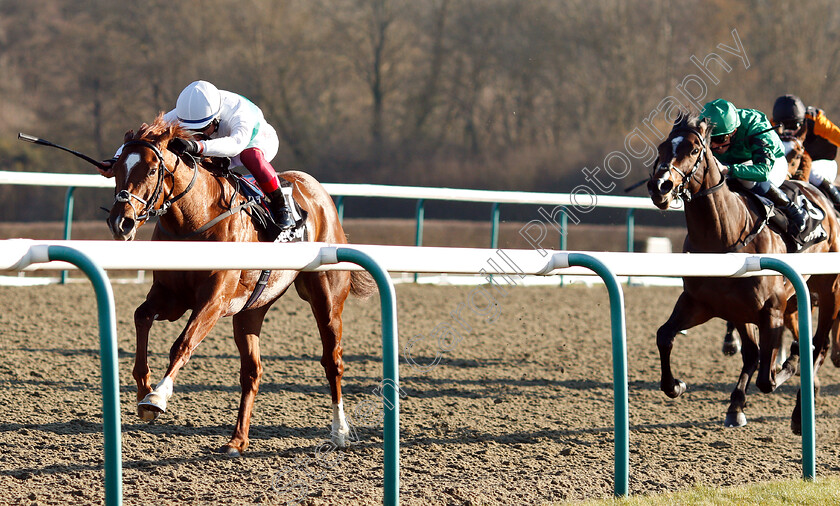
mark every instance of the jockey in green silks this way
{"type": "Point", "coordinates": [744, 141]}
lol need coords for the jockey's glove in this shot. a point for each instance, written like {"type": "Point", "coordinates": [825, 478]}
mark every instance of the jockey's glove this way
{"type": "Point", "coordinates": [812, 112]}
{"type": "Point", "coordinates": [106, 167]}
{"type": "Point", "coordinates": [180, 146]}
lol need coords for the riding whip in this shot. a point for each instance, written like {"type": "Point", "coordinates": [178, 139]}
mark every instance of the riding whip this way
{"type": "Point", "coordinates": [43, 142]}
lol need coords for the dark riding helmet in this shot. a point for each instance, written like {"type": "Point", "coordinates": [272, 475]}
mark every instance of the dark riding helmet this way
{"type": "Point", "coordinates": [789, 111]}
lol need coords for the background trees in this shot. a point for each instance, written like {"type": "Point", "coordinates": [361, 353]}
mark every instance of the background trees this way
{"type": "Point", "coordinates": [500, 94]}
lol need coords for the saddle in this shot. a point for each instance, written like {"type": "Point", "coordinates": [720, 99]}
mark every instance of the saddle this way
{"type": "Point", "coordinates": [249, 188]}
{"type": "Point", "coordinates": [777, 221]}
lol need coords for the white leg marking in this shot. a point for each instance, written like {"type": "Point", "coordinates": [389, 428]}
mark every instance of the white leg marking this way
{"type": "Point", "coordinates": [155, 402]}
{"type": "Point", "coordinates": [165, 387]}
{"type": "Point", "coordinates": [340, 429]}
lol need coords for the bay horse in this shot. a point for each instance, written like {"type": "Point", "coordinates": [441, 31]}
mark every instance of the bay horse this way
{"type": "Point", "coordinates": [151, 180]}
{"type": "Point", "coordinates": [719, 220]}
{"type": "Point", "coordinates": [799, 169]}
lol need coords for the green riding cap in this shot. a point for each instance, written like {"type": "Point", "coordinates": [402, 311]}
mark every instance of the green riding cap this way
{"type": "Point", "coordinates": [723, 115]}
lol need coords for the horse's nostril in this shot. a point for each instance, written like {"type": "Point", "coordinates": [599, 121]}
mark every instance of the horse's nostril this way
{"type": "Point", "coordinates": [126, 225]}
{"type": "Point", "coordinates": [664, 186]}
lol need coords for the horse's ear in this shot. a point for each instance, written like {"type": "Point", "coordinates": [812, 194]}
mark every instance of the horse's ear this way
{"type": "Point", "coordinates": [682, 116]}
{"type": "Point", "coordinates": [703, 125]}
{"type": "Point", "coordinates": [128, 136]}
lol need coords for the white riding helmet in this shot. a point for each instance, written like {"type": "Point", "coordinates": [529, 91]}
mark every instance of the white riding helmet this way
{"type": "Point", "coordinates": [198, 105]}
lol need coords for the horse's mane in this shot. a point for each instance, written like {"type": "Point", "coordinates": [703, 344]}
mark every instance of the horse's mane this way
{"type": "Point", "coordinates": [693, 122]}
{"type": "Point", "coordinates": [159, 132]}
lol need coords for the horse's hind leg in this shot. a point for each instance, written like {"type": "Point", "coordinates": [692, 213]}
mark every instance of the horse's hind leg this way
{"type": "Point", "coordinates": [159, 305]}
{"type": "Point", "coordinates": [731, 341]}
{"type": "Point", "coordinates": [791, 362]}
{"type": "Point", "coordinates": [835, 343]}
{"type": "Point", "coordinates": [735, 416]}
{"type": "Point", "coordinates": [326, 293]}
{"type": "Point", "coordinates": [829, 307]}
{"type": "Point", "coordinates": [246, 333]}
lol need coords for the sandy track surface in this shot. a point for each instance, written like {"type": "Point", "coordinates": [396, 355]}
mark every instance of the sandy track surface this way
{"type": "Point", "coordinates": [517, 411]}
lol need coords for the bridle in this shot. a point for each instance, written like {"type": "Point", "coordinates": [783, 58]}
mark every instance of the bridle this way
{"type": "Point", "coordinates": [124, 196]}
{"type": "Point", "coordinates": [682, 190]}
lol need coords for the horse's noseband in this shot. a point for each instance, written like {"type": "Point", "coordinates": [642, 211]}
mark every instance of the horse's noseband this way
{"type": "Point", "coordinates": [124, 196]}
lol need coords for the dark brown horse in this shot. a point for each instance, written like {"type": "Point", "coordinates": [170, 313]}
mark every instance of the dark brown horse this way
{"type": "Point", "coordinates": [152, 180]}
{"type": "Point", "coordinates": [719, 221]}
{"type": "Point", "coordinates": [799, 168]}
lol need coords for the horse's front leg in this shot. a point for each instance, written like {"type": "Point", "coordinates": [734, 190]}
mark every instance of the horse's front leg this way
{"type": "Point", "coordinates": [207, 312]}
{"type": "Point", "coordinates": [685, 315]}
{"type": "Point", "coordinates": [159, 305]}
{"type": "Point", "coordinates": [246, 332]}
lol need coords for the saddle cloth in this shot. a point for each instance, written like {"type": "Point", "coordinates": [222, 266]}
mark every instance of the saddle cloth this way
{"type": "Point", "coordinates": [814, 231]}
{"type": "Point", "coordinates": [250, 189]}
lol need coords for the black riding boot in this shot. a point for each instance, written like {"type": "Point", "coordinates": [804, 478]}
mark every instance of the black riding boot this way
{"type": "Point", "coordinates": [281, 212]}
{"type": "Point", "coordinates": [797, 217]}
{"type": "Point", "coordinates": [831, 192]}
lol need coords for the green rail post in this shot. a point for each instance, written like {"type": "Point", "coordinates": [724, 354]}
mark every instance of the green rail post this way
{"type": "Point", "coordinates": [418, 232]}
{"type": "Point", "coordinates": [564, 234]}
{"type": "Point", "coordinates": [339, 206]}
{"type": "Point", "coordinates": [806, 365]}
{"type": "Point", "coordinates": [631, 222]}
{"type": "Point", "coordinates": [390, 369]}
{"type": "Point", "coordinates": [564, 228]}
{"type": "Point", "coordinates": [619, 355]}
{"type": "Point", "coordinates": [110, 369]}
{"type": "Point", "coordinates": [494, 226]}
{"type": "Point", "coordinates": [68, 222]}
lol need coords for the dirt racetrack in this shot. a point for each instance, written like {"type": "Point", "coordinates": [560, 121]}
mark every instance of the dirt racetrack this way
{"type": "Point", "coordinates": [518, 412]}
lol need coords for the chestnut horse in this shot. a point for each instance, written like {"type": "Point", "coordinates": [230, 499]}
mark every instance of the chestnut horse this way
{"type": "Point", "coordinates": [150, 180]}
{"type": "Point", "coordinates": [718, 221]}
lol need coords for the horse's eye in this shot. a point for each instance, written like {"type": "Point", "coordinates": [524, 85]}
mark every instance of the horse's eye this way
{"type": "Point", "coordinates": [152, 172]}
{"type": "Point", "coordinates": [694, 151]}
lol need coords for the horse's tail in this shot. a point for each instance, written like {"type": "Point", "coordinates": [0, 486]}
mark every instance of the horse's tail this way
{"type": "Point", "coordinates": [362, 284]}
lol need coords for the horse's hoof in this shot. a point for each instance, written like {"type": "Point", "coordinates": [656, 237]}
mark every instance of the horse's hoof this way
{"type": "Point", "coordinates": [147, 414]}
{"type": "Point", "coordinates": [738, 419]}
{"type": "Point", "coordinates": [231, 452]}
{"type": "Point", "coordinates": [678, 389]}
{"type": "Point", "coordinates": [731, 346]}
{"type": "Point", "coordinates": [339, 439]}
{"type": "Point", "coordinates": [152, 406]}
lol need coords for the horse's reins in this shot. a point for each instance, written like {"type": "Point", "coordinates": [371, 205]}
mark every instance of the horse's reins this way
{"type": "Point", "coordinates": [126, 196]}
{"type": "Point", "coordinates": [148, 210]}
{"type": "Point", "coordinates": [684, 194]}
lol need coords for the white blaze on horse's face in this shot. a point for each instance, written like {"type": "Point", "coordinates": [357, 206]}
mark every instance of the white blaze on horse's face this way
{"type": "Point", "coordinates": [675, 142]}
{"type": "Point", "coordinates": [130, 162]}
{"type": "Point", "coordinates": [789, 145]}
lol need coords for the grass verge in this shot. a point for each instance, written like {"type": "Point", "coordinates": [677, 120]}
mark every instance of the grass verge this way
{"type": "Point", "coordinates": [800, 492]}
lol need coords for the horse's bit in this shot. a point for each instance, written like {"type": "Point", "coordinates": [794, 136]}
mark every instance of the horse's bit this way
{"type": "Point", "coordinates": [125, 196]}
